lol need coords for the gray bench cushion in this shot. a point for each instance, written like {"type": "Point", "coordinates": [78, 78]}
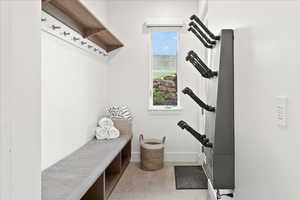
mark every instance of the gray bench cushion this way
{"type": "Point", "coordinates": [70, 178]}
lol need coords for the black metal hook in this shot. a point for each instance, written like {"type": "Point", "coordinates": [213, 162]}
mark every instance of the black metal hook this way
{"type": "Point", "coordinates": [200, 38]}
{"type": "Point", "coordinates": [211, 35]}
{"type": "Point", "coordinates": [199, 60]}
{"type": "Point", "coordinates": [200, 68]}
{"type": "Point", "coordinates": [201, 138]}
{"type": "Point", "coordinates": [192, 24]}
{"type": "Point", "coordinates": [203, 105]}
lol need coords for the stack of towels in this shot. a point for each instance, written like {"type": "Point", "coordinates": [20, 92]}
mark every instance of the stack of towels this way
{"type": "Point", "coordinates": [119, 112]}
{"type": "Point", "coordinates": [106, 129]}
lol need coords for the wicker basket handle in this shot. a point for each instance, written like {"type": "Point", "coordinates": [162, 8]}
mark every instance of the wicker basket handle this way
{"type": "Point", "coordinates": [141, 138]}
{"type": "Point", "coordinates": [164, 140]}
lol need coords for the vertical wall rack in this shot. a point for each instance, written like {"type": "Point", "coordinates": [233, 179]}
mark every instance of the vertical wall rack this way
{"type": "Point", "coordinates": [219, 126]}
{"type": "Point", "coordinates": [219, 122]}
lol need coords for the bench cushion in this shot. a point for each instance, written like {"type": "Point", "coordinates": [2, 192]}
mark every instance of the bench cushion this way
{"type": "Point", "coordinates": [70, 178]}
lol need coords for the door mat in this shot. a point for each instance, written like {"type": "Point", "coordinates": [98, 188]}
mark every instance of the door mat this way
{"type": "Point", "coordinates": [190, 177]}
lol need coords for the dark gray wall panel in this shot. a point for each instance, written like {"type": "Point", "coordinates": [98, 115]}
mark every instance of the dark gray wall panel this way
{"type": "Point", "coordinates": [219, 126]}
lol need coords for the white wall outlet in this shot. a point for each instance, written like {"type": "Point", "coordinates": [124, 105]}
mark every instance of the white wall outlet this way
{"type": "Point", "coordinates": [281, 111]}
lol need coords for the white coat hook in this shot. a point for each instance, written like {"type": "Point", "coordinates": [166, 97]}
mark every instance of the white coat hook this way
{"type": "Point", "coordinates": [65, 33]}
{"type": "Point", "coordinates": [75, 39]}
{"type": "Point", "coordinates": [55, 27]}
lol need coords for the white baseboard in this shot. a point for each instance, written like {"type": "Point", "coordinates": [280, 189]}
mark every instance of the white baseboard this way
{"type": "Point", "coordinates": [172, 156]}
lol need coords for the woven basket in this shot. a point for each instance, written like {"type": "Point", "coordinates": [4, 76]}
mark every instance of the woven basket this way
{"type": "Point", "coordinates": [152, 153]}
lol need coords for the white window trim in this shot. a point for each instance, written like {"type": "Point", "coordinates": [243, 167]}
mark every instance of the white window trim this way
{"type": "Point", "coordinates": [151, 107]}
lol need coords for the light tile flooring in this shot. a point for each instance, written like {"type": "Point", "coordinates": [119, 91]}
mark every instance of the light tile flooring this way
{"type": "Point", "coordinates": [137, 184]}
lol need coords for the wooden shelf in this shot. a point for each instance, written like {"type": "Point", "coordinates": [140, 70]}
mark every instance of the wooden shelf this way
{"type": "Point", "coordinates": [75, 15]}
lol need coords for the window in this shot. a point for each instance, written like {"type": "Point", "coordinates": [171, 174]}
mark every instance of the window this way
{"type": "Point", "coordinates": [163, 80]}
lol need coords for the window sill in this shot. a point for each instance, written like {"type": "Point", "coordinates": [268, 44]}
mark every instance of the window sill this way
{"type": "Point", "coordinates": [165, 108]}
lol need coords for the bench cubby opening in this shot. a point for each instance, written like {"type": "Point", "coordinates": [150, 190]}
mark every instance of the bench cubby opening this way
{"type": "Point", "coordinates": [112, 174]}
{"type": "Point", "coordinates": [96, 192]}
{"type": "Point", "coordinates": [126, 155]}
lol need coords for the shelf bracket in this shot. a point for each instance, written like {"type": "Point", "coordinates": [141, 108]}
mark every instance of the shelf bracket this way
{"type": "Point", "coordinates": [93, 31]}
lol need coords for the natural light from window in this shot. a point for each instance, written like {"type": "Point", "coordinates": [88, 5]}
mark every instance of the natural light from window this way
{"type": "Point", "coordinates": [164, 49]}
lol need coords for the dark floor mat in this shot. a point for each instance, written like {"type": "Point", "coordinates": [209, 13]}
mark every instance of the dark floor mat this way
{"type": "Point", "coordinates": [190, 177]}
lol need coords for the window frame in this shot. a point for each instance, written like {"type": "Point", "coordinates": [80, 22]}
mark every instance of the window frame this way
{"type": "Point", "coordinates": [152, 107]}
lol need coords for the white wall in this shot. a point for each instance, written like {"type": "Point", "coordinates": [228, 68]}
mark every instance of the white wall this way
{"type": "Point", "coordinates": [74, 93]}
{"type": "Point", "coordinates": [267, 64]}
{"type": "Point", "coordinates": [20, 94]}
{"type": "Point", "coordinates": [129, 74]}
{"type": "Point", "coordinates": [98, 8]}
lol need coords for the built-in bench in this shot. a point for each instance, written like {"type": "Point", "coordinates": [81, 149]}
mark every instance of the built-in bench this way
{"type": "Point", "coordinates": [91, 172]}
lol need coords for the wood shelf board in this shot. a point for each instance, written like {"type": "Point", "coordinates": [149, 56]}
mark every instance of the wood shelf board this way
{"type": "Point", "coordinates": [107, 40]}
{"type": "Point", "coordinates": [75, 15]}
{"type": "Point", "coordinates": [63, 17]}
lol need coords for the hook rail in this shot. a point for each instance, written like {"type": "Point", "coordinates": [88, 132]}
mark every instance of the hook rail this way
{"type": "Point", "coordinates": [56, 28]}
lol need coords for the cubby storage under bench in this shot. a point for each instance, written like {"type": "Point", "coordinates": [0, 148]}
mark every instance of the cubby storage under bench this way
{"type": "Point", "coordinates": [90, 173]}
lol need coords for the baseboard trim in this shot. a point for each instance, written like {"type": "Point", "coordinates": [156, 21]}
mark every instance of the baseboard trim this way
{"type": "Point", "coordinates": [172, 157]}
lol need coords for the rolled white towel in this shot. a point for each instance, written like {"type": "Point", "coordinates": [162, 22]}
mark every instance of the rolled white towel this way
{"type": "Point", "coordinates": [113, 133]}
{"type": "Point", "coordinates": [106, 123]}
{"type": "Point", "coordinates": [101, 133]}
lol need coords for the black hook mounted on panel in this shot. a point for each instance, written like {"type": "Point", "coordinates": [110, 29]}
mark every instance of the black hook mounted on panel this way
{"type": "Point", "coordinates": [204, 72]}
{"type": "Point", "coordinates": [203, 105]}
{"type": "Point", "coordinates": [194, 25]}
{"type": "Point", "coordinates": [207, 69]}
{"type": "Point", "coordinates": [200, 38]}
{"type": "Point", "coordinates": [211, 35]}
{"type": "Point", "coordinates": [201, 138]}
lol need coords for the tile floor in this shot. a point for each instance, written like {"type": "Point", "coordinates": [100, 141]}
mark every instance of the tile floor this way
{"type": "Point", "coordinates": [137, 184]}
